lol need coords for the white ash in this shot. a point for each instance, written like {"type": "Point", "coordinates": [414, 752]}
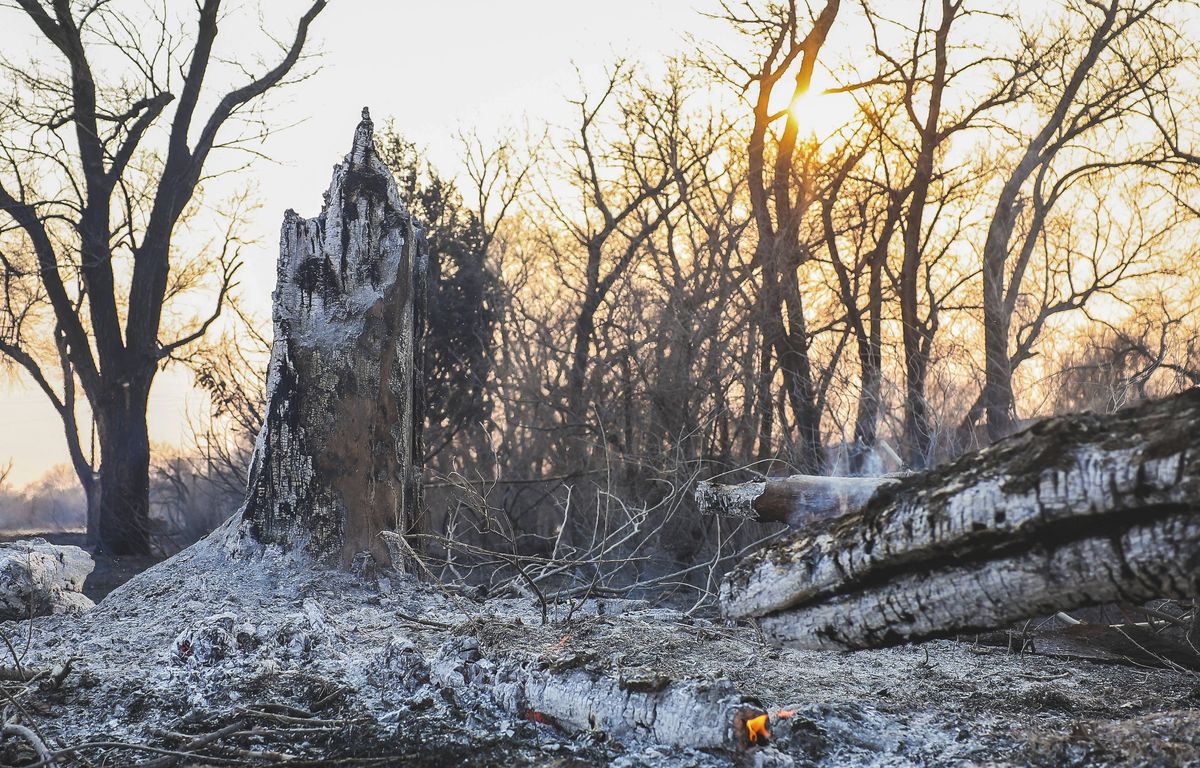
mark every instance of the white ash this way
{"type": "Point", "coordinates": [214, 629]}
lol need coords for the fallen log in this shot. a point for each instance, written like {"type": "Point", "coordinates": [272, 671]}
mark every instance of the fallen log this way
{"type": "Point", "coordinates": [795, 501]}
{"type": "Point", "coordinates": [1077, 510]}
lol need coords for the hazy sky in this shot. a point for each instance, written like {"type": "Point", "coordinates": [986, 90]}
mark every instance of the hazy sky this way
{"type": "Point", "coordinates": [436, 67]}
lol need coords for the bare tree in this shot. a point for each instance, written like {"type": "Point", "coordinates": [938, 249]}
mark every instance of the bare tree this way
{"type": "Point", "coordinates": [102, 189]}
{"type": "Point", "coordinates": [1094, 86]}
{"type": "Point", "coordinates": [779, 203]}
{"type": "Point", "coordinates": [933, 61]}
{"type": "Point", "coordinates": [862, 208]}
{"type": "Point", "coordinates": [625, 171]}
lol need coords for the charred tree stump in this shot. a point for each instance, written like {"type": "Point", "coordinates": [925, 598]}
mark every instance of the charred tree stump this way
{"type": "Point", "coordinates": [1077, 510]}
{"type": "Point", "coordinates": [338, 457]}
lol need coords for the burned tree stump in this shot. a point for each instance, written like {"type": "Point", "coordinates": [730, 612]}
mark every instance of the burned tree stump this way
{"type": "Point", "coordinates": [338, 456]}
{"type": "Point", "coordinates": [1077, 510]}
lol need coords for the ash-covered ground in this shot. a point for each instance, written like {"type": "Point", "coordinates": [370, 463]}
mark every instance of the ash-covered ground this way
{"type": "Point", "coordinates": [273, 660]}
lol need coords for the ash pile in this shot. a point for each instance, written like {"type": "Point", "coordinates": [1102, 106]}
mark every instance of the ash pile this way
{"type": "Point", "coordinates": [220, 657]}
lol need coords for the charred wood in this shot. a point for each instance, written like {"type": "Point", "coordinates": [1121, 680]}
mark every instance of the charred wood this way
{"type": "Point", "coordinates": [1077, 510]}
{"type": "Point", "coordinates": [338, 457]}
{"type": "Point", "coordinates": [794, 501]}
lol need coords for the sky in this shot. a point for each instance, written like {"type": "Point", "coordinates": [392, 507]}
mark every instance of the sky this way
{"type": "Point", "coordinates": [437, 68]}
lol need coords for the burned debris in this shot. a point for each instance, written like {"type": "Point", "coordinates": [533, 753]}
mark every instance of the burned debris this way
{"type": "Point", "coordinates": [337, 459]}
{"type": "Point", "coordinates": [1076, 511]}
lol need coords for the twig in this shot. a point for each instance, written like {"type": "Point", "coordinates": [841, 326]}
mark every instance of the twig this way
{"type": "Point", "coordinates": [1046, 678]}
{"type": "Point", "coordinates": [308, 722]}
{"type": "Point", "coordinates": [286, 709]}
{"type": "Point", "coordinates": [18, 674]}
{"type": "Point", "coordinates": [1176, 620]}
{"type": "Point", "coordinates": [536, 590]}
{"type": "Point", "coordinates": [195, 744]}
{"type": "Point", "coordinates": [328, 698]}
{"type": "Point", "coordinates": [67, 751]}
{"type": "Point", "coordinates": [12, 651]}
{"type": "Point", "coordinates": [39, 746]}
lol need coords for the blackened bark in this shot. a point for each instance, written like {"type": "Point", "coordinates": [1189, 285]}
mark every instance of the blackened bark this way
{"type": "Point", "coordinates": [338, 457]}
{"type": "Point", "coordinates": [124, 494]}
{"type": "Point", "coordinates": [1077, 510]}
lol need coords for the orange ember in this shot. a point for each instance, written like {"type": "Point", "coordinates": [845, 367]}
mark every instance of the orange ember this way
{"type": "Point", "coordinates": [756, 727]}
{"type": "Point", "coordinates": [784, 714]}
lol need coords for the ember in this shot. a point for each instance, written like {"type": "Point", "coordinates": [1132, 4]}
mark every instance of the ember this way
{"type": "Point", "coordinates": [756, 728]}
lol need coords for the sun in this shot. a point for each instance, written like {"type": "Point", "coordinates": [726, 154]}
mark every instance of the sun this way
{"type": "Point", "coordinates": [821, 113]}
{"type": "Point", "coordinates": [822, 110]}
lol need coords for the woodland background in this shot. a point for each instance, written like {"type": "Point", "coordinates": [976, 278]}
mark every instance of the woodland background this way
{"type": "Point", "coordinates": [742, 264]}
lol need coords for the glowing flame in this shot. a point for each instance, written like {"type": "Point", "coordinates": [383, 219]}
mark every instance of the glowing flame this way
{"type": "Point", "coordinates": [756, 727]}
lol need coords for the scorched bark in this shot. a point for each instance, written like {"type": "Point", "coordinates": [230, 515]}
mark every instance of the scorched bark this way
{"type": "Point", "coordinates": [336, 461]}
{"type": "Point", "coordinates": [1077, 510]}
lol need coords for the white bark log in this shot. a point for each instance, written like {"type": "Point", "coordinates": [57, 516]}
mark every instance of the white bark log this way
{"type": "Point", "coordinates": [687, 714]}
{"type": "Point", "coordinates": [337, 459]}
{"type": "Point", "coordinates": [794, 501]}
{"type": "Point", "coordinates": [634, 704]}
{"type": "Point", "coordinates": [1144, 563]}
{"type": "Point", "coordinates": [38, 578]}
{"type": "Point", "coordinates": [1076, 510]}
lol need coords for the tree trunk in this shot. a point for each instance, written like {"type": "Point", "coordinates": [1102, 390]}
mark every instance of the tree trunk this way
{"type": "Point", "coordinates": [765, 404]}
{"type": "Point", "coordinates": [798, 378]}
{"type": "Point", "coordinates": [1078, 510]}
{"type": "Point", "coordinates": [89, 479]}
{"type": "Point", "coordinates": [918, 438]}
{"type": "Point", "coordinates": [91, 495]}
{"type": "Point", "coordinates": [575, 450]}
{"type": "Point", "coordinates": [916, 333]}
{"type": "Point", "coordinates": [789, 342]}
{"type": "Point", "coordinates": [998, 400]}
{"type": "Point", "coordinates": [338, 457]}
{"type": "Point", "coordinates": [124, 514]}
{"type": "Point", "coordinates": [870, 362]}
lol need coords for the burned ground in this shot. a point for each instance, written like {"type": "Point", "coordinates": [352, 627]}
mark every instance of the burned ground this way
{"type": "Point", "coordinates": [279, 658]}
